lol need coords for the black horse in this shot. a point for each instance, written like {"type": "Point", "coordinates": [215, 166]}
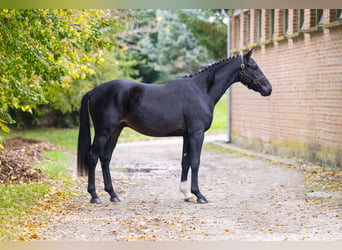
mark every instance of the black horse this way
{"type": "Point", "coordinates": [182, 107]}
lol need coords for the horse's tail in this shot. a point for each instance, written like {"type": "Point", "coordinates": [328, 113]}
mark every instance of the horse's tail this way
{"type": "Point", "coordinates": [84, 141]}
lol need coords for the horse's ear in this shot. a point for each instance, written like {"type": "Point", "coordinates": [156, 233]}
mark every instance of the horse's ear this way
{"type": "Point", "coordinates": [249, 54]}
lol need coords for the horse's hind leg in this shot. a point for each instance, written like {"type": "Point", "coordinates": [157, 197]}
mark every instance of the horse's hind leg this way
{"type": "Point", "coordinates": [96, 148]}
{"type": "Point", "coordinates": [105, 158]}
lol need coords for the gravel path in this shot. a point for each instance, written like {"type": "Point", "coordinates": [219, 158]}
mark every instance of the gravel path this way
{"type": "Point", "coordinates": [249, 199]}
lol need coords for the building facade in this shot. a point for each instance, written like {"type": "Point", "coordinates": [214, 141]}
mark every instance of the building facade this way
{"type": "Point", "coordinates": [300, 52]}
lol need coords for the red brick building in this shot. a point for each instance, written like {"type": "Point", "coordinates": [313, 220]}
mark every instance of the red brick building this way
{"type": "Point", "coordinates": [300, 52]}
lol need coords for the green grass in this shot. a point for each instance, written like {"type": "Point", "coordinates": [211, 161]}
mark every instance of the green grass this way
{"type": "Point", "coordinates": [222, 150]}
{"type": "Point", "coordinates": [15, 202]}
{"type": "Point", "coordinates": [219, 123]}
{"type": "Point", "coordinates": [64, 137]}
{"type": "Point", "coordinates": [18, 200]}
{"type": "Point", "coordinates": [57, 168]}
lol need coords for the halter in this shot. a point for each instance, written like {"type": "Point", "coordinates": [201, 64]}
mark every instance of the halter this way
{"type": "Point", "coordinates": [243, 73]}
{"type": "Point", "coordinates": [242, 64]}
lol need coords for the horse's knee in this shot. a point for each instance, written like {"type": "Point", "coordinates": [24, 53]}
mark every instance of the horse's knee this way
{"type": "Point", "coordinates": [93, 158]}
{"type": "Point", "coordinates": [105, 159]}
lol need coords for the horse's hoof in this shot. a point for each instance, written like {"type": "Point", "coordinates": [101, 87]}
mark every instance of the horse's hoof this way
{"type": "Point", "coordinates": [115, 199]}
{"type": "Point", "coordinates": [189, 199]}
{"type": "Point", "coordinates": [202, 200]}
{"type": "Point", "coordinates": [95, 200]}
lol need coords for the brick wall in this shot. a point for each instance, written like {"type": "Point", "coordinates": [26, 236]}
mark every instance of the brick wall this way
{"type": "Point", "coordinates": [305, 68]}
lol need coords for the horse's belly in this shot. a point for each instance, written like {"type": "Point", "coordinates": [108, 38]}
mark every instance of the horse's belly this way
{"type": "Point", "coordinates": [158, 127]}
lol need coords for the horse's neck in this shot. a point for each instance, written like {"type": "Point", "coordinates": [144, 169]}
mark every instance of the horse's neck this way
{"type": "Point", "coordinates": [221, 78]}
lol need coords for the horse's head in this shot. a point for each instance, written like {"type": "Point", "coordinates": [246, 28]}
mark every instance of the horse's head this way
{"type": "Point", "coordinates": [252, 76]}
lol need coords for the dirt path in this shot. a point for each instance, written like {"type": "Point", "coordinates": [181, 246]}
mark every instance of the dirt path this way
{"type": "Point", "coordinates": [249, 199]}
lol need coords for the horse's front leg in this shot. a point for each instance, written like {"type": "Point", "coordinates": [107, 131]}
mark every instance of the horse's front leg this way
{"type": "Point", "coordinates": [185, 169]}
{"type": "Point", "coordinates": [196, 141]}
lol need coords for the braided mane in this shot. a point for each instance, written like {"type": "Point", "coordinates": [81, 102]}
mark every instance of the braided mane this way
{"type": "Point", "coordinates": [211, 66]}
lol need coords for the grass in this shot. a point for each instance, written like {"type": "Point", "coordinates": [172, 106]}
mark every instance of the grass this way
{"type": "Point", "coordinates": [219, 123]}
{"type": "Point", "coordinates": [19, 201]}
{"type": "Point", "coordinates": [222, 150]}
{"type": "Point", "coordinates": [15, 202]}
{"type": "Point", "coordinates": [63, 137]}
{"type": "Point", "coordinates": [57, 168]}
{"type": "Point", "coordinates": [66, 138]}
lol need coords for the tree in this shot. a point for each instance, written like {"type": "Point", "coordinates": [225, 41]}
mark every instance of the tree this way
{"type": "Point", "coordinates": [171, 48]}
{"type": "Point", "coordinates": [162, 45]}
{"type": "Point", "coordinates": [210, 34]}
{"type": "Point", "coordinates": [139, 23]}
{"type": "Point", "coordinates": [42, 51]}
{"type": "Point", "coordinates": [172, 43]}
{"type": "Point", "coordinates": [115, 63]}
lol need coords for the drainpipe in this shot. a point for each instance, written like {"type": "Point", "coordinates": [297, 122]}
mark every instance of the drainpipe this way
{"type": "Point", "coordinates": [229, 101]}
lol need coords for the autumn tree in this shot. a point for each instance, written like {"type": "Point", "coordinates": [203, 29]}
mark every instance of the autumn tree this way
{"type": "Point", "coordinates": [115, 63]}
{"type": "Point", "coordinates": [43, 51]}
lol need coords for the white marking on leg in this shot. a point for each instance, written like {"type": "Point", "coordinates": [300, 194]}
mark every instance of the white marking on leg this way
{"type": "Point", "coordinates": [184, 188]}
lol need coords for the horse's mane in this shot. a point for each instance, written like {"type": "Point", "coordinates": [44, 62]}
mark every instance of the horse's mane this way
{"type": "Point", "coordinates": [213, 65]}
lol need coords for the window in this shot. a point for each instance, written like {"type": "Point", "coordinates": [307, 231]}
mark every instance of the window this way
{"type": "Point", "coordinates": [271, 16]}
{"type": "Point", "coordinates": [237, 41]}
{"type": "Point", "coordinates": [319, 16]}
{"type": "Point", "coordinates": [248, 27]}
{"type": "Point", "coordinates": [258, 16]}
{"type": "Point", "coordinates": [338, 13]}
{"type": "Point", "coordinates": [286, 21]}
{"type": "Point", "coordinates": [300, 19]}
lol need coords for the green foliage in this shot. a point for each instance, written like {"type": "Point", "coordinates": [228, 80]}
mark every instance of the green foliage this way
{"type": "Point", "coordinates": [118, 64]}
{"type": "Point", "coordinates": [210, 35]}
{"type": "Point", "coordinates": [174, 43]}
{"type": "Point", "coordinates": [164, 48]}
{"type": "Point", "coordinates": [146, 71]}
{"type": "Point", "coordinates": [50, 58]}
{"type": "Point", "coordinates": [172, 48]}
{"type": "Point", "coordinates": [64, 104]}
{"type": "Point", "coordinates": [42, 51]}
{"type": "Point", "coordinates": [139, 23]}
{"type": "Point", "coordinates": [56, 56]}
